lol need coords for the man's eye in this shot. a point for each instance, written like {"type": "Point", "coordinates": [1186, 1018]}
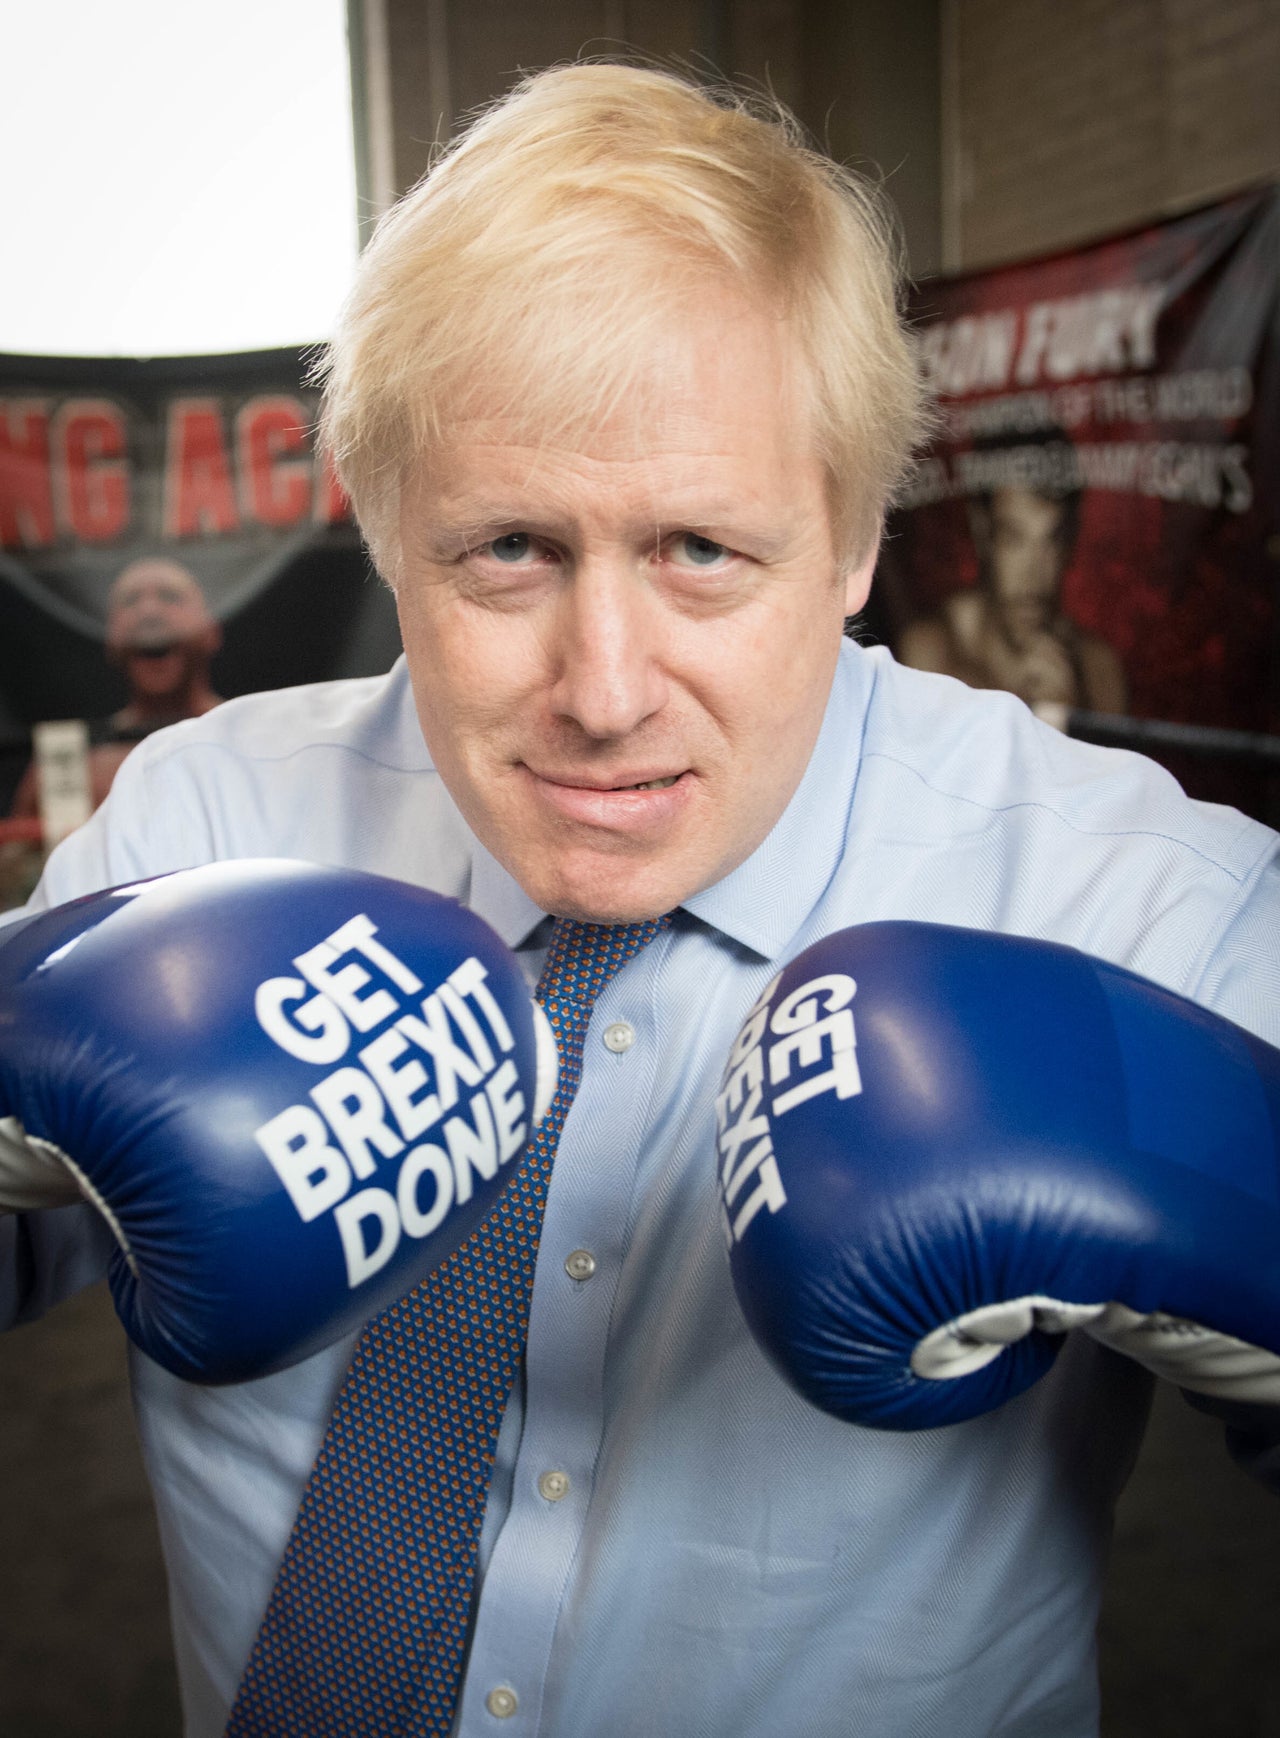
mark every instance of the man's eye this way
{"type": "Point", "coordinates": [514, 548]}
{"type": "Point", "coordinates": [696, 551]}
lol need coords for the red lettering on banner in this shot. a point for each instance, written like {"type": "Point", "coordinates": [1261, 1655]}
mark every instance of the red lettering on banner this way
{"type": "Point", "coordinates": [26, 493]}
{"type": "Point", "coordinates": [198, 493]}
{"type": "Point", "coordinates": [90, 469]}
{"type": "Point", "coordinates": [275, 486]}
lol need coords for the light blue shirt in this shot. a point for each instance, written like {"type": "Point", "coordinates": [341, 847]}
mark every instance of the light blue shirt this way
{"type": "Point", "coordinates": [719, 1559]}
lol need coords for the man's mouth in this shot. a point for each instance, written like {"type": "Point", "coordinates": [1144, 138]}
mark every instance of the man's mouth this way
{"type": "Point", "coordinates": [585, 783]}
{"type": "Point", "coordinates": [634, 807]}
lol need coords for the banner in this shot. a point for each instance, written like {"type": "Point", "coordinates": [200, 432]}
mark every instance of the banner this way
{"type": "Point", "coordinates": [1096, 525]}
{"type": "Point", "coordinates": [109, 466]}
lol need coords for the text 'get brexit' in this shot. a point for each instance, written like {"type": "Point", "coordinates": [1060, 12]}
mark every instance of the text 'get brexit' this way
{"type": "Point", "coordinates": [438, 1061]}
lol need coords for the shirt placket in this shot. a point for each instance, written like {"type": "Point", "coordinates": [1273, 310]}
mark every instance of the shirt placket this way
{"type": "Point", "coordinates": [579, 1264]}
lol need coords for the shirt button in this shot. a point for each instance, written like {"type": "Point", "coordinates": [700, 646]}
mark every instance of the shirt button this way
{"type": "Point", "coordinates": [502, 1702]}
{"type": "Point", "coordinates": [619, 1037]}
{"type": "Point", "coordinates": [553, 1486]}
{"type": "Point", "coordinates": [580, 1265]}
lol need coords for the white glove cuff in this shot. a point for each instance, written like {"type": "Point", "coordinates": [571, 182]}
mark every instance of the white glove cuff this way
{"type": "Point", "coordinates": [1192, 1356]}
{"type": "Point", "coordinates": [1178, 1351]}
{"type": "Point", "coordinates": [964, 1345]}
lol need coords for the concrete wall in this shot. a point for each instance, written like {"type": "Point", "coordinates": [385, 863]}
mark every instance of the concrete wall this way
{"type": "Point", "coordinates": [863, 75]}
{"type": "Point", "coordinates": [1066, 119]}
{"type": "Point", "coordinates": [1004, 128]}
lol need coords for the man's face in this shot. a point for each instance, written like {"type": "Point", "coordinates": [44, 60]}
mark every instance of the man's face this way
{"type": "Point", "coordinates": [157, 620]}
{"type": "Point", "coordinates": [1025, 560]}
{"type": "Point", "coordinates": [621, 655]}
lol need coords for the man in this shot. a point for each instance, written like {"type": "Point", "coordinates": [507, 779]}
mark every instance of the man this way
{"type": "Point", "coordinates": [162, 638]}
{"type": "Point", "coordinates": [620, 398]}
{"type": "Point", "coordinates": [1010, 631]}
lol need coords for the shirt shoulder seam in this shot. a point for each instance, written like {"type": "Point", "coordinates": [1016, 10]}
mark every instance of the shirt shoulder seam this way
{"type": "Point", "coordinates": [166, 752]}
{"type": "Point", "coordinates": [1240, 876]}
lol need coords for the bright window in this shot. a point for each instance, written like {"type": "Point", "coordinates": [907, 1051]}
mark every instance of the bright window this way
{"type": "Point", "coordinates": [176, 176]}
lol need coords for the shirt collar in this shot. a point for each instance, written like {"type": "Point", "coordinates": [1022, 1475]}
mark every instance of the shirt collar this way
{"type": "Point", "coordinates": [766, 899]}
{"type": "Point", "coordinates": [499, 898]}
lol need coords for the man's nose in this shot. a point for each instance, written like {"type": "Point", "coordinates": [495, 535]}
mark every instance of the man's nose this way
{"type": "Point", "coordinates": [609, 673]}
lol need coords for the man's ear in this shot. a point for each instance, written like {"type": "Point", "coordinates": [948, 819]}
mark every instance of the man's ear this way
{"type": "Point", "coordinates": [857, 578]}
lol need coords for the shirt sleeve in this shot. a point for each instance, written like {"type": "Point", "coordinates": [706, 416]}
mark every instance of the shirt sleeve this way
{"type": "Point", "coordinates": [1241, 977]}
{"type": "Point", "coordinates": [151, 823]}
{"type": "Point", "coordinates": [148, 825]}
{"type": "Point", "coordinates": [1241, 981]}
{"type": "Point", "coordinates": [48, 1256]}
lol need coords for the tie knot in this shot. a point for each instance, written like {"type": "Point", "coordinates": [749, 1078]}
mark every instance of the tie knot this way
{"type": "Point", "coordinates": [583, 957]}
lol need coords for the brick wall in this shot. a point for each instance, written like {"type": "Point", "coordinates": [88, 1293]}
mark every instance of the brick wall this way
{"type": "Point", "coordinates": [1065, 119]}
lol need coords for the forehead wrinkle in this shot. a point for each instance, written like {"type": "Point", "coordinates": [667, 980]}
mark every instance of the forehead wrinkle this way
{"type": "Point", "coordinates": [556, 492]}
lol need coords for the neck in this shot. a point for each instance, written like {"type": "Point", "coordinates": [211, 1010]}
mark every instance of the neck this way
{"type": "Point", "coordinates": [192, 700]}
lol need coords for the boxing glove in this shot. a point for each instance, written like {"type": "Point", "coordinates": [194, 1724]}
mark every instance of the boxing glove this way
{"type": "Point", "coordinates": [939, 1149]}
{"type": "Point", "coordinates": [290, 1091]}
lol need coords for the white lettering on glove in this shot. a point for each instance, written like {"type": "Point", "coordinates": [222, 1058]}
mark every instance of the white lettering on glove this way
{"type": "Point", "coordinates": [442, 1064]}
{"type": "Point", "coordinates": [811, 1026]}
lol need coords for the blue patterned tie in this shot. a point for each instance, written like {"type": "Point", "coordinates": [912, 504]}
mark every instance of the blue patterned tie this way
{"type": "Point", "coordinates": [365, 1630]}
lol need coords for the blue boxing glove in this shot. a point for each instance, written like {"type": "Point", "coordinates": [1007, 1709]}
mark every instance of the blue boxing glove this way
{"type": "Point", "coordinates": [939, 1150]}
{"type": "Point", "coordinates": [290, 1090]}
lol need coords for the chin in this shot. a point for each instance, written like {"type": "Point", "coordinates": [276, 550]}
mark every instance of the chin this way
{"type": "Point", "coordinates": [593, 907]}
{"type": "Point", "coordinates": [608, 894]}
{"type": "Point", "coordinates": [619, 914]}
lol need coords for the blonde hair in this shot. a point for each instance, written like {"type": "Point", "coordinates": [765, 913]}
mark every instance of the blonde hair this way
{"type": "Point", "coordinates": [551, 244]}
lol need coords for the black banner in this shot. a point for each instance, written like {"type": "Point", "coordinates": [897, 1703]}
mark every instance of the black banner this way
{"type": "Point", "coordinates": [206, 462]}
{"type": "Point", "coordinates": [1097, 524]}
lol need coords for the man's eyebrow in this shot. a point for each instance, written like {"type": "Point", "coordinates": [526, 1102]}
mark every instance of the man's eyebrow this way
{"type": "Point", "coordinates": [763, 533]}
{"type": "Point", "coordinates": [483, 518]}
{"type": "Point", "coordinates": [474, 524]}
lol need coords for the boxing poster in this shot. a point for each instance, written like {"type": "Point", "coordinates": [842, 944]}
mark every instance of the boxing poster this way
{"type": "Point", "coordinates": [122, 481]}
{"type": "Point", "coordinates": [1095, 525]}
